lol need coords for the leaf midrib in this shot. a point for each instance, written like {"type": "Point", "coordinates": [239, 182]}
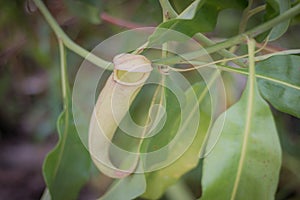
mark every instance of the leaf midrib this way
{"type": "Point", "coordinates": [64, 136]}
{"type": "Point", "coordinates": [249, 113]}
{"type": "Point", "coordinates": [251, 87]}
{"type": "Point", "coordinates": [243, 72]}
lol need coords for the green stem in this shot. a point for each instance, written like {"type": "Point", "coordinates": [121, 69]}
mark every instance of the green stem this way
{"type": "Point", "coordinates": [246, 73]}
{"type": "Point", "coordinates": [251, 52]}
{"type": "Point", "coordinates": [63, 70]}
{"type": "Point", "coordinates": [67, 41]}
{"type": "Point", "coordinates": [168, 9]}
{"type": "Point", "coordinates": [223, 52]}
{"type": "Point", "coordinates": [244, 21]}
{"type": "Point", "coordinates": [286, 52]}
{"type": "Point", "coordinates": [234, 40]}
{"type": "Point", "coordinates": [256, 10]}
{"type": "Point", "coordinates": [66, 98]}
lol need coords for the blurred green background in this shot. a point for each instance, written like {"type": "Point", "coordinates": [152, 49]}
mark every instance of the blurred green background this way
{"type": "Point", "coordinates": [30, 94]}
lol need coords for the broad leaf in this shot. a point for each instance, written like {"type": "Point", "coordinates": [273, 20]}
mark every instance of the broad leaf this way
{"type": "Point", "coordinates": [85, 9]}
{"type": "Point", "coordinates": [273, 9]}
{"type": "Point", "coordinates": [245, 162]}
{"type": "Point", "coordinates": [200, 16]}
{"type": "Point", "coordinates": [281, 85]}
{"type": "Point", "coordinates": [158, 181]}
{"type": "Point", "coordinates": [66, 168]}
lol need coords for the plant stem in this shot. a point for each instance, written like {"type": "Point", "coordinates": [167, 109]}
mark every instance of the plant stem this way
{"type": "Point", "coordinates": [170, 12]}
{"type": "Point", "coordinates": [63, 71]}
{"type": "Point", "coordinates": [246, 73]}
{"type": "Point", "coordinates": [234, 40]}
{"type": "Point", "coordinates": [247, 14]}
{"type": "Point", "coordinates": [223, 52]}
{"type": "Point", "coordinates": [244, 21]}
{"type": "Point", "coordinates": [67, 41]}
{"type": "Point", "coordinates": [251, 52]}
{"type": "Point", "coordinates": [120, 22]}
{"type": "Point", "coordinates": [256, 10]}
{"type": "Point", "coordinates": [286, 52]}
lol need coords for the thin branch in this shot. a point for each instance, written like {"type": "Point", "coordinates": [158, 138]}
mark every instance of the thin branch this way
{"type": "Point", "coordinates": [256, 10]}
{"type": "Point", "coordinates": [247, 14]}
{"type": "Point", "coordinates": [286, 52]}
{"type": "Point", "coordinates": [170, 12]}
{"type": "Point", "coordinates": [67, 41]}
{"type": "Point", "coordinates": [203, 64]}
{"type": "Point", "coordinates": [233, 40]}
{"type": "Point", "coordinates": [223, 52]}
{"type": "Point", "coordinates": [270, 48]}
{"type": "Point", "coordinates": [63, 70]}
{"type": "Point", "coordinates": [245, 17]}
{"type": "Point", "coordinates": [120, 22]}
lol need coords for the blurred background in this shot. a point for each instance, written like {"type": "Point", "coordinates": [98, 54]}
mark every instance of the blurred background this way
{"type": "Point", "coordinates": [30, 94]}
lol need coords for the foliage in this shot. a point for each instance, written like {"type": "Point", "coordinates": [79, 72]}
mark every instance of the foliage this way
{"type": "Point", "coordinates": [283, 68]}
{"type": "Point", "coordinates": [245, 161]}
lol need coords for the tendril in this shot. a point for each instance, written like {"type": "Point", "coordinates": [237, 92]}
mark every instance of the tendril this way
{"type": "Point", "coordinates": [219, 61]}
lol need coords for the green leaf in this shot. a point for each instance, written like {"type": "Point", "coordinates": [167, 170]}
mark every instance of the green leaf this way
{"type": "Point", "coordinates": [273, 9]}
{"type": "Point", "coordinates": [158, 181]}
{"type": "Point", "coordinates": [245, 162]}
{"type": "Point", "coordinates": [284, 93]}
{"type": "Point", "coordinates": [179, 5]}
{"type": "Point", "coordinates": [86, 9]}
{"type": "Point", "coordinates": [66, 168]}
{"type": "Point", "coordinates": [127, 188]}
{"type": "Point", "coordinates": [200, 16]}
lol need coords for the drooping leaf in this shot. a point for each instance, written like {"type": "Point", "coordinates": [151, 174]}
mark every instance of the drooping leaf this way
{"type": "Point", "coordinates": [200, 16]}
{"type": "Point", "coordinates": [86, 9]}
{"type": "Point", "coordinates": [66, 168]}
{"type": "Point", "coordinates": [245, 162]}
{"type": "Point", "coordinates": [158, 181]}
{"type": "Point", "coordinates": [284, 92]}
{"type": "Point", "coordinates": [273, 9]}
